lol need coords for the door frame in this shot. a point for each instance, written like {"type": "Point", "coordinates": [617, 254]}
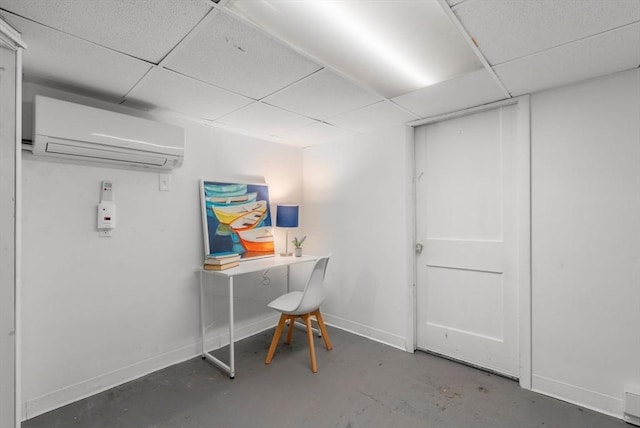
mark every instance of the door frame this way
{"type": "Point", "coordinates": [523, 186]}
{"type": "Point", "coordinates": [10, 39]}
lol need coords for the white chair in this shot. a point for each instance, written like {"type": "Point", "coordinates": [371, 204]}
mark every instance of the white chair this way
{"type": "Point", "coordinates": [302, 304]}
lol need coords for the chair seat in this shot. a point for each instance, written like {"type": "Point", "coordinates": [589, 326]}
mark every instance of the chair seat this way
{"type": "Point", "coordinates": [287, 303]}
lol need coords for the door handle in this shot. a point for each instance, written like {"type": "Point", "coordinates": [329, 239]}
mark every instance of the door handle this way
{"type": "Point", "coordinates": [419, 248]}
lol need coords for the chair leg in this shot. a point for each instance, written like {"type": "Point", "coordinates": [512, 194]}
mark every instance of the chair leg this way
{"type": "Point", "coordinates": [323, 329]}
{"type": "Point", "coordinates": [292, 321]}
{"type": "Point", "coordinates": [276, 338]}
{"type": "Point", "coordinates": [312, 351]}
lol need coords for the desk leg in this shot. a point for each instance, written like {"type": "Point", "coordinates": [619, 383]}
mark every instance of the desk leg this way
{"type": "Point", "coordinates": [207, 355]}
{"type": "Point", "coordinates": [288, 272]}
{"type": "Point", "coordinates": [232, 363]}
{"type": "Point", "coordinates": [202, 329]}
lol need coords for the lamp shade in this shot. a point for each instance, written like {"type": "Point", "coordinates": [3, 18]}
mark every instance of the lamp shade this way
{"type": "Point", "coordinates": [287, 216]}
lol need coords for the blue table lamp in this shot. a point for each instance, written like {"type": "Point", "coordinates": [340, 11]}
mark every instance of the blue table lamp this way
{"type": "Point", "coordinates": [287, 217]}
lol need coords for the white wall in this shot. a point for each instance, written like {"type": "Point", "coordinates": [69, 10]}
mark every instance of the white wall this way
{"type": "Point", "coordinates": [101, 311]}
{"type": "Point", "coordinates": [586, 240]}
{"type": "Point", "coordinates": [357, 205]}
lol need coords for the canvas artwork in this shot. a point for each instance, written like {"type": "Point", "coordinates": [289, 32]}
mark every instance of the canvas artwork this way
{"type": "Point", "coordinates": [236, 218]}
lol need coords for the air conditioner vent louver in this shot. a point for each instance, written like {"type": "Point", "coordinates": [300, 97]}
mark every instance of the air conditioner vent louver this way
{"type": "Point", "coordinates": [72, 131]}
{"type": "Point", "coordinates": [85, 151]}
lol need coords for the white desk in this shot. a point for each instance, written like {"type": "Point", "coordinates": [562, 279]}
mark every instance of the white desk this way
{"type": "Point", "coordinates": [249, 266]}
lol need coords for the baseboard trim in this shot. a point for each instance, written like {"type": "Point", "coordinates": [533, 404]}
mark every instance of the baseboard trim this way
{"type": "Point", "coordinates": [103, 382]}
{"type": "Point", "coordinates": [582, 397]}
{"type": "Point", "coordinates": [368, 332]}
{"type": "Point", "coordinates": [72, 393]}
{"type": "Point", "coordinates": [596, 401]}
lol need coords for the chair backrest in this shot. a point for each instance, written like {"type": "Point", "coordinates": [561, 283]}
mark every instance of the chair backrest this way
{"type": "Point", "coordinates": [313, 294]}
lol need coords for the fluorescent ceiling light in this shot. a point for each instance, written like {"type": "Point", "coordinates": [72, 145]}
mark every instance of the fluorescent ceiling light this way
{"type": "Point", "coordinates": [366, 38]}
{"type": "Point", "coordinates": [388, 46]}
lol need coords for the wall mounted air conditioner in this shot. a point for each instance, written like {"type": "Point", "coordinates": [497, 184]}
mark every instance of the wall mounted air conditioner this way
{"type": "Point", "coordinates": [73, 131]}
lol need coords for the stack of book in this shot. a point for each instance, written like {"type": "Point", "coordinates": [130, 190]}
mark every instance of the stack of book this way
{"type": "Point", "coordinates": [221, 261]}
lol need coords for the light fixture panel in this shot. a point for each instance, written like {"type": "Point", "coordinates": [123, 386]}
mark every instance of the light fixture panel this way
{"type": "Point", "coordinates": [390, 47]}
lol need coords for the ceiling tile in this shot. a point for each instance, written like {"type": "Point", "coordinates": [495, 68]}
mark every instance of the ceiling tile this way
{"type": "Point", "coordinates": [321, 95]}
{"type": "Point", "coordinates": [602, 54]}
{"type": "Point", "coordinates": [146, 29]}
{"type": "Point", "coordinates": [264, 120]}
{"type": "Point", "coordinates": [74, 63]}
{"type": "Point", "coordinates": [506, 30]}
{"type": "Point", "coordinates": [316, 133]}
{"type": "Point", "coordinates": [374, 116]}
{"type": "Point", "coordinates": [172, 91]}
{"type": "Point", "coordinates": [230, 54]}
{"type": "Point", "coordinates": [466, 91]}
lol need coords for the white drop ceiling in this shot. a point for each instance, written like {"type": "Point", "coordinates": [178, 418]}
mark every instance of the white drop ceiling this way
{"type": "Point", "coordinates": [240, 66]}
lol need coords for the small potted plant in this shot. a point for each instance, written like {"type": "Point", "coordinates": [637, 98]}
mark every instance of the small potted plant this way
{"type": "Point", "coordinates": [298, 244]}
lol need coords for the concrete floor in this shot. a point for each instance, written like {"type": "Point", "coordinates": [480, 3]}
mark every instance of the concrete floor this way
{"type": "Point", "coordinates": [359, 384]}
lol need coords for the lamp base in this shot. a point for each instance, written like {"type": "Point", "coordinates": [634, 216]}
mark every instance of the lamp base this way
{"type": "Point", "coordinates": [286, 247]}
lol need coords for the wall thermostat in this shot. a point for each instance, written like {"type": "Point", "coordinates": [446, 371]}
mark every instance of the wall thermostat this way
{"type": "Point", "coordinates": [106, 215]}
{"type": "Point", "coordinates": [106, 210]}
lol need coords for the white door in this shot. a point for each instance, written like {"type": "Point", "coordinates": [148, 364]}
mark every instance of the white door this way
{"type": "Point", "coordinates": [467, 221]}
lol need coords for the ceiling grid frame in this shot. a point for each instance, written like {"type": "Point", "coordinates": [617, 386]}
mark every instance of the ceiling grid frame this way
{"type": "Point", "coordinates": [123, 79]}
